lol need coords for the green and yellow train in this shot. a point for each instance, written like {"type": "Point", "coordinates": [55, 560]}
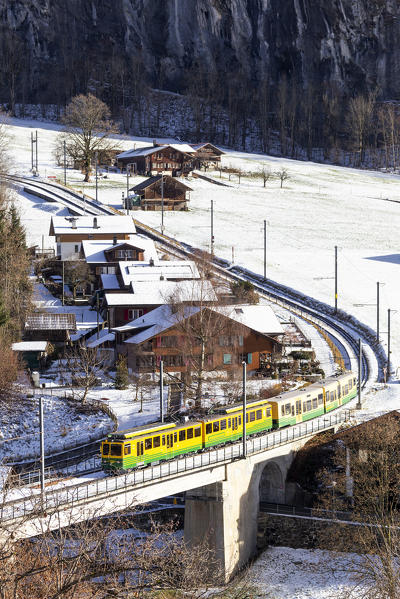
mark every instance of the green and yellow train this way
{"type": "Point", "coordinates": [158, 442]}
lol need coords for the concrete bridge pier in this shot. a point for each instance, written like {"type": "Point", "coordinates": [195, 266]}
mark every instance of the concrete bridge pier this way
{"type": "Point", "coordinates": [224, 515]}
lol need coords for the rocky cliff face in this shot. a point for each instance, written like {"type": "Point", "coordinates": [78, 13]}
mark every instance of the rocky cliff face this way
{"type": "Point", "coordinates": [351, 42]}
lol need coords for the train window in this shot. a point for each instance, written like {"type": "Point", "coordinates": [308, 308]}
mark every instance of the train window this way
{"type": "Point", "coordinates": [298, 407]}
{"type": "Point", "coordinates": [332, 396]}
{"type": "Point", "coordinates": [116, 449]}
{"type": "Point", "coordinates": [346, 389]}
{"type": "Point", "coordinates": [315, 403]}
{"type": "Point", "coordinates": [320, 399]}
{"type": "Point", "coordinates": [354, 382]}
{"type": "Point", "coordinates": [175, 437]}
{"type": "Point", "coordinates": [252, 416]}
{"type": "Point", "coordinates": [223, 425]}
{"type": "Point", "coordinates": [304, 406]}
{"type": "Point", "coordinates": [148, 444]}
{"type": "Point", "coordinates": [106, 448]}
{"type": "Point", "coordinates": [287, 409]}
{"type": "Point", "coordinates": [182, 435]}
{"type": "Point", "coordinates": [350, 384]}
{"type": "Point", "coordinates": [229, 423]}
{"type": "Point", "coordinates": [215, 427]}
{"type": "Point", "coordinates": [259, 414]}
{"type": "Point", "coordinates": [189, 433]}
{"type": "Point", "coordinates": [163, 439]}
{"type": "Point", "coordinates": [156, 442]}
{"type": "Point", "coordinates": [127, 449]}
{"type": "Point", "coordinates": [197, 431]}
{"type": "Point", "coordinates": [247, 417]}
{"type": "Point", "coordinates": [339, 391]}
{"type": "Point", "coordinates": [283, 410]}
{"type": "Point", "coordinates": [269, 412]}
{"type": "Point", "coordinates": [240, 420]}
{"type": "Point", "coordinates": [308, 405]}
{"type": "Point", "coordinates": [208, 429]}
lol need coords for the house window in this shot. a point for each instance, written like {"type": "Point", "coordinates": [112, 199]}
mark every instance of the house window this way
{"type": "Point", "coordinates": [125, 254]}
{"type": "Point", "coordinates": [227, 358]}
{"type": "Point", "coordinates": [241, 341]}
{"type": "Point", "coordinates": [134, 313]}
{"type": "Point", "coordinates": [76, 249]}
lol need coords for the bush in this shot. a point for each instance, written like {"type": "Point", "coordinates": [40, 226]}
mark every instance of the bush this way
{"type": "Point", "coordinates": [121, 375]}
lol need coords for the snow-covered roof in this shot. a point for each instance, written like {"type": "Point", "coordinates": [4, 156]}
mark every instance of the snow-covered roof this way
{"type": "Point", "coordinates": [93, 249]}
{"type": "Point", "coordinates": [158, 320]}
{"type": "Point", "coordinates": [104, 336]}
{"type": "Point", "coordinates": [207, 143]}
{"type": "Point", "coordinates": [30, 346]}
{"type": "Point", "coordinates": [161, 270]}
{"type": "Point", "coordinates": [258, 317]}
{"type": "Point", "coordinates": [145, 293]}
{"type": "Point", "coordinates": [89, 225]}
{"type": "Point", "coordinates": [109, 282]}
{"type": "Point", "coordinates": [148, 150]}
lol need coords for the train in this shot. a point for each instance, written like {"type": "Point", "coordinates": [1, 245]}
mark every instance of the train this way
{"type": "Point", "coordinates": [153, 443]}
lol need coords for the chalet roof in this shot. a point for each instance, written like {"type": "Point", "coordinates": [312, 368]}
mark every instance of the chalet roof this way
{"type": "Point", "coordinates": [152, 180]}
{"type": "Point", "coordinates": [109, 224]}
{"type": "Point", "coordinates": [147, 293]}
{"type": "Point", "coordinates": [163, 318]}
{"type": "Point", "coordinates": [258, 317]}
{"type": "Point", "coordinates": [30, 346]}
{"type": "Point", "coordinates": [148, 150]}
{"type": "Point", "coordinates": [93, 249]}
{"type": "Point", "coordinates": [46, 321]}
{"type": "Point", "coordinates": [207, 143]}
{"type": "Point", "coordinates": [159, 271]}
{"type": "Point", "coordinates": [109, 282]}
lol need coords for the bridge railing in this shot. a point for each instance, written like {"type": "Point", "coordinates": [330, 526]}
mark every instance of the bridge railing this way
{"type": "Point", "coordinates": [105, 486]}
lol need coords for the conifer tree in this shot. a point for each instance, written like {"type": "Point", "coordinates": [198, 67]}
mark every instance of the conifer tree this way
{"type": "Point", "coordinates": [122, 375]}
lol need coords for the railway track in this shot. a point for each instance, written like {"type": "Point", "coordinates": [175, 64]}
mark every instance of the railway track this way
{"type": "Point", "coordinates": [303, 306]}
{"type": "Point", "coordinates": [53, 192]}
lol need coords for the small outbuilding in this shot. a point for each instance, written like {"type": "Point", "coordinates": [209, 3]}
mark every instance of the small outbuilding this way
{"type": "Point", "coordinates": [162, 191]}
{"type": "Point", "coordinates": [33, 353]}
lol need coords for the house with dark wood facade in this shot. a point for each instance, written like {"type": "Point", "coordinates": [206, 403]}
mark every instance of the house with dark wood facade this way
{"type": "Point", "coordinates": [207, 155]}
{"type": "Point", "coordinates": [173, 159]}
{"type": "Point", "coordinates": [245, 332]}
{"type": "Point", "coordinates": [162, 192]}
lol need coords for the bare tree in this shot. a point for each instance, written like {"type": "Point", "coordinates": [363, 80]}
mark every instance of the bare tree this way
{"type": "Point", "coordinates": [361, 109]}
{"type": "Point", "coordinates": [282, 175]}
{"type": "Point", "coordinates": [265, 174]}
{"type": "Point", "coordinates": [86, 365]}
{"type": "Point", "coordinates": [77, 275]}
{"type": "Point", "coordinates": [87, 129]}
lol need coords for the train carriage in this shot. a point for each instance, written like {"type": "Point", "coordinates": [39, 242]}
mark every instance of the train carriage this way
{"type": "Point", "coordinates": [297, 406]}
{"type": "Point", "coordinates": [347, 387]}
{"type": "Point", "coordinates": [228, 426]}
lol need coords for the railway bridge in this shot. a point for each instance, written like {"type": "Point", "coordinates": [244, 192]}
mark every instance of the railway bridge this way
{"type": "Point", "coordinates": [224, 489]}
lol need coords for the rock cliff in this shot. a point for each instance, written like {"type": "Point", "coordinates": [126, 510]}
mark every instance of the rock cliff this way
{"type": "Point", "coordinates": [351, 42]}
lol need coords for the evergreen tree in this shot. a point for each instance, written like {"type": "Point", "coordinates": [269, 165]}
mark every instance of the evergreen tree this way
{"type": "Point", "coordinates": [122, 375]}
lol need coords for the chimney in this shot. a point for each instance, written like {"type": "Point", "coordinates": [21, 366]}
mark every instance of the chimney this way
{"type": "Point", "coordinates": [95, 225]}
{"type": "Point", "coordinates": [155, 143]}
{"type": "Point", "coordinates": [115, 240]}
{"type": "Point", "coordinates": [73, 223]}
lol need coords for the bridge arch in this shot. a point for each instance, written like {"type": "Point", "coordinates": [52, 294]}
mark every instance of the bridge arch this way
{"type": "Point", "coordinates": [272, 484]}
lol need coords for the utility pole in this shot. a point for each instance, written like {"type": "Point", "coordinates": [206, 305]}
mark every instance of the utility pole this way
{"type": "Point", "coordinates": [161, 391]}
{"type": "Point", "coordinates": [96, 162]}
{"type": "Point", "coordinates": [63, 281]}
{"type": "Point", "coordinates": [97, 309]}
{"type": "Point", "coordinates": [123, 201]}
{"type": "Point", "coordinates": [212, 228]}
{"type": "Point", "coordinates": [336, 285]}
{"type": "Point", "coordinates": [128, 170]}
{"type": "Point", "coordinates": [34, 155]}
{"type": "Point", "coordinates": [162, 204]}
{"type": "Point", "coordinates": [65, 163]}
{"type": "Point", "coordinates": [244, 410]}
{"type": "Point", "coordinates": [31, 151]}
{"type": "Point", "coordinates": [358, 405]}
{"type": "Point", "coordinates": [377, 312]}
{"type": "Point", "coordinates": [41, 427]}
{"type": "Point", "coordinates": [388, 356]}
{"type": "Point", "coordinates": [265, 250]}
{"type": "Point", "coordinates": [37, 170]}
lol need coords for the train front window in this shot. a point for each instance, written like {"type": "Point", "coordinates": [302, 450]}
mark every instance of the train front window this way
{"type": "Point", "coordinates": [106, 448]}
{"type": "Point", "coordinates": [116, 449]}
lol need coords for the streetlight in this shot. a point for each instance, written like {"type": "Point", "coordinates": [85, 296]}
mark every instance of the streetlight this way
{"type": "Point", "coordinates": [96, 162]}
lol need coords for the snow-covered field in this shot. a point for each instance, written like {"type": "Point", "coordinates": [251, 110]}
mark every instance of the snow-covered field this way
{"type": "Point", "coordinates": [319, 207]}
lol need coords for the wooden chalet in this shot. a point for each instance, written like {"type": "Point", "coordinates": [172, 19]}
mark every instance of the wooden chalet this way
{"type": "Point", "coordinates": [162, 190]}
{"type": "Point", "coordinates": [173, 159]}
{"type": "Point", "coordinates": [250, 331]}
{"type": "Point", "coordinates": [45, 326]}
{"type": "Point", "coordinates": [207, 155]}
